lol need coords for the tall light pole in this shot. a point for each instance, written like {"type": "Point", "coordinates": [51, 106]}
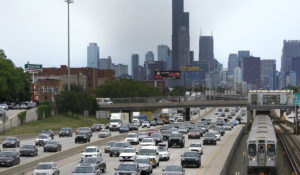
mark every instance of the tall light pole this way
{"type": "Point", "coordinates": [69, 76]}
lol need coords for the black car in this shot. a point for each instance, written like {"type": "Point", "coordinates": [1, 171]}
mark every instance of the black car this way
{"type": "Point", "coordinates": [65, 132]}
{"type": "Point", "coordinates": [48, 132]}
{"type": "Point", "coordinates": [117, 147]}
{"type": "Point", "coordinates": [52, 146]}
{"type": "Point", "coordinates": [97, 161]}
{"type": "Point", "coordinates": [133, 127]}
{"type": "Point", "coordinates": [85, 129]}
{"type": "Point", "coordinates": [82, 137]}
{"type": "Point", "coordinates": [191, 158]}
{"type": "Point", "coordinates": [153, 123]}
{"type": "Point", "coordinates": [9, 158]}
{"type": "Point", "coordinates": [209, 138]}
{"type": "Point", "coordinates": [165, 134]}
{"type": "Point", "coordinates": [123, 128]}
{"type": "Point", "coordinates": [176, 139]}
{"type": "Point", "coordinates": [11, 142]}
{"type": "Point", "coordinates": [156, 137]}
{"type": "Point", "coordinates": [28, 150]}
{"type": "Point", "coordinates": [97, 127]}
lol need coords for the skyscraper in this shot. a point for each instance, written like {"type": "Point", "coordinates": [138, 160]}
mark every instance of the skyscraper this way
{"type": "Point", "coordinates": [266, 67]}
{"type": "Point", "coordinates": [238, 75]}
{"type": "Point", "coordinates": [149, 56]}
{"type": "Point", "coordinates": [164, 54]}
{"type": "Point", "coordinates": [291, 49]}
{"type": "Point", "coordinates": [243, 54]}
{"type": "Point", "coordinates": [296, 68]}
{"type": "Point", "coordinates": [105, 63]}
{"type": "Point", "coordinates": [134, 64]}
{"type": "Point", "coordinates": [233, 62]}
{"type": "Point", "coordinates": [183, 47]}
{"type": "Point", "coordinates": [93, 55]}
{"type": "Point", "coordinates": [180, 25]}
{"type": "Point", "coordinates": [251, 71]}
{"type": "Point", "coordinates": [120, 69]}
{"type": "Point", "coordinates": [206, 52]}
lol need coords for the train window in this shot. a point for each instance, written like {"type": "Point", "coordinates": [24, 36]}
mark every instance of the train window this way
{"type": "Point", "coordinates": [271, 150]}
{"type": "Point", "coordinates": [252, 150]}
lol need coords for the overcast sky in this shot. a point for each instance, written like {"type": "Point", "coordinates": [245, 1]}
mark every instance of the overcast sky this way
{"type": "Point", "coordinates": [36, 30]}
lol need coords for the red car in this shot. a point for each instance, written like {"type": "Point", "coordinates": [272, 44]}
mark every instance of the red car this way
{"type": "Point", "coordinates": [151, 131]}
{"type": "Point", "coordinates": [194, 133]}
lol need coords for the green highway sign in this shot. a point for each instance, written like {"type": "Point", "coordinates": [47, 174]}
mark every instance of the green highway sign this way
{"type": "Point", "coordinates": [297, 99]}
{"type": "Point", "coordinates": [33, 67]}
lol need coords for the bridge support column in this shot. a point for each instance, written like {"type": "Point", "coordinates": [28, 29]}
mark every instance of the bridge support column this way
{"type": "Point", "coordinates": [187, 114]}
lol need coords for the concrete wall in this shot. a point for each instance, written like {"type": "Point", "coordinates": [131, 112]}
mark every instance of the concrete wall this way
{"type": "Point", "coordinates": [31, 115]}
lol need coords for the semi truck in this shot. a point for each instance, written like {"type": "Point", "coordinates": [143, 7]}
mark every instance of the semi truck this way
{"type": "Point", "coordinates": [118, 119]}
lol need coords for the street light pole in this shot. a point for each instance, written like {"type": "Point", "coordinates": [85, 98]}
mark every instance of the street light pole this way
{"type": "Point", "coordinates": [69, 76]}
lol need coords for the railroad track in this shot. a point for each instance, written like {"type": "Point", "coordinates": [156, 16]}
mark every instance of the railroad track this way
{"type": "Point", "coordinates": [291, 148]}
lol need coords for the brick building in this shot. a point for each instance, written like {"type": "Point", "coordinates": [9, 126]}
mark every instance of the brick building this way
{"type": "Point", "coordinates": [51, 81]}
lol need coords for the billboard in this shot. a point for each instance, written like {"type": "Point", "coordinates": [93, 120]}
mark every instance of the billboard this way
{"type": "Point", "coordinates": [189, 68]}
{"type": "Point", "coordinates": [33, 67]}
{"type": "Point", "coordinates": [163, 75]}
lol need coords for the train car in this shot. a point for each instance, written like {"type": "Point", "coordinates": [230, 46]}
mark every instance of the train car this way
{"type": "Point", "coordinates": [262, 146]}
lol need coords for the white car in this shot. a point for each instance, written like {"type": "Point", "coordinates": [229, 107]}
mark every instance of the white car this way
{"type": "Point", "coordinates": [150, 152]}
{"type": "Point", "coordinates": [147, 142]}
{"type": "Point", "coordinates": [91, 151]}
{"type": "Point", "coordinates": [127, 154]}
{"type": "Point", "coordinates": [163, 153]}
{"type": "Point", "coordinates": [146, 124]}
{"type": "Point", "coordinates": [180, 118]}
{"type": "Point", "coordinates": [42, 139]}
{"type": "Point", "coordinates": [132, 138]}
{"type": "Point", "coordinates": [218, 135]}
{"type": "Point", "coordinates": [172, 119]}
{"type": "Point", "coordinates": [46, 168]}
{"type": "Point", "coordinates": [4, 106]}
{"type": "Point", "coordinates": [196, 147]}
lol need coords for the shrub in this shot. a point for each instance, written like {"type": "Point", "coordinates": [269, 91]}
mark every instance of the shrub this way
{"type": "Point", "coordinates": [22, 117]}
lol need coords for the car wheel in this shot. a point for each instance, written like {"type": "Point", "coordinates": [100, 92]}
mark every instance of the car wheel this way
{"type": "Point", "coordinates": [110, 155]}
{"type": "Point", "coordinates": [104, 169]}
{"type": "Point", "coordinates": [45, 150]}
{"type": "Point", "coordinates": [198, 165]}
{"type": "Point", "coordinates": [157, 163]}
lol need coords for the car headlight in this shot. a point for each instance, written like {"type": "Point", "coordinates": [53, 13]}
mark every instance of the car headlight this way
{"type": "Point", "coordinates": [84, 137]}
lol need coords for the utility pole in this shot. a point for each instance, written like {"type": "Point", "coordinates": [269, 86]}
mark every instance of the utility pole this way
{"type": "Point", "coordinates": [69, 76]}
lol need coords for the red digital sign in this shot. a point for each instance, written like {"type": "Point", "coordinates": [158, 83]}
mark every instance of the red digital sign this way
{"type": "Point", "coordinates": [163, 75]}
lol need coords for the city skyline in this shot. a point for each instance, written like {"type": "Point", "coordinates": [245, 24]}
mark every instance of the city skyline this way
{"type": "Point", "coordinates": [35, 23]}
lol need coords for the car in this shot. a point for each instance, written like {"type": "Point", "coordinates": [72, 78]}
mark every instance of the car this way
{"type": "Point", "coordinates": [209, 138]}
{"type": "Point", "coordinates": [31, 105]}
{"type": "Point", "coordinates": [220, 110]}
{"type": "Point", "coordinates": [123, 128]}
{"type": "Point", "coordinates": [194, 133]}
{"type": "Point", "coordinates": [144, 165]}
{"type": "Point", "coordinates": [150, 152]}
{"type": "Point", "coordinates": [174, 130]}
{"type": "Point", "coordinates": [104, 133]}
{"type": "Point", "coordinates": [159, 122]}
{"type": "Point", "coordinates": [151, 131]}
{"type": "Point", "coordinates": [227, 126]}
{"type": "Point", "coordinates": [90, 151]}
{"type": "Point", "coordinates": [163, 153]}
{"type": "Point", "coordinates": [108, 145]}
{"type": "Point", "coordinates": [132, 138]}
{"type": "Point", "coordinates": [165, 134]}
{"type": "Point", "coordinates": [182, 130]}
{"type": "Point", "coordinates": [46, 168]}
{"type": "Point", "coordinates": [82, 136]}
{"type": "Point", "coordinates": [156, 137]}
{"type": "Point", "coordinates": [42, 139]}
{"type": "Point", "coordinates": [4, 106]}
{"type": "Point", "coordinates": [97, 127]}
{"type": "Point", "coordinates": [9, 158]}
{"type": "Point", "coordinates": [180, 118]}
{"type": "Point", "coordinates": [85, 129]}
{"type": "Point", "coordinates": [226, 110]}
{"type": "Point", "coordinates": [48, 132]}
{"type": "Point", "coordinates": [87, 169]}
{"type": "Point", "coordinates": [52, 146]}
{"type": "Point", "coordinates": [145, 124]}
{"type": "Point", "coordinates": [131, 168]}
{"type": "Point", "coordinates": [117, 147]}
{"type": "Point", "coordinates": [153, 123]}
{"type": "Point", "coordinates": [127, 154]}
{"type": "Point", "coordinates": [220, 129]}
{"type": "Point", "coordinates": [147, 142]}
{"type": "Point", "coordinates": [165, 127]}
{"type": "Point", "coordinates": [133, 127]}
{"type": "Point", "coordinates": [191, 158]}
{"type": "Point", "coordinates": [217, 134]}
{"type": "Point", "coordinates": [15, 106]}
{"type": "Point", "coordinates": [173, 170]}
{"type": "Point", "coordinates": [234, 123]}
{"type": "Point", "coordinates": [2, 112]}
{"type": "Point", "coordinates": [65, 132]}
{"type": "Point", "coordinates": [28, 150]}
{"type": "Point", "coordinates": [196, 147]}
{"type": "Point", "coordinates": [9, 142]}
{"type": "Point", "coordinates": [23, 106]}
{"type": "Point", "coordinates": [142, 135]}
{"type": "Point", "coordinates": [176, 139]}
{"type": "Point", "coordinates": [172, 119]}
{"type": "Point", "coordinates": [97, 161]}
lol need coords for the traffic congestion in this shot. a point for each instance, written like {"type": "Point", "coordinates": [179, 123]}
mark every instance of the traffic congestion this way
{"type": "Point", "coordinates": [161, 144]}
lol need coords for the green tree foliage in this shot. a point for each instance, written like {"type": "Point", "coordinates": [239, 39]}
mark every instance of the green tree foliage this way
{"type": "Point", "coordinates": [126, 88]}
{"type": "Point", "coordinates": [14, 82]}
{"type": "Point", "coordinates": [178, 91]}
{"type": "Point", "coordinates": [75, 101]}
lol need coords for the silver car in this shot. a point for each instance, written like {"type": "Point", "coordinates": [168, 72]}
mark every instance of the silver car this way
{"type": "Point", "coordinates": [104, 133]}
{"type": "Point", "coordinates": [46, 168]}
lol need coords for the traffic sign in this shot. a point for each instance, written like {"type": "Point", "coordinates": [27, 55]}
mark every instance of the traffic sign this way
{"type": "Point", "coordinates": [33, 67]}
{"type": "Point", "coordinates": [297, 99]}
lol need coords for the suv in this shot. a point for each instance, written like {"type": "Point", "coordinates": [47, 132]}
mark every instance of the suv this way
{"type": "Point", "coordinates": [65, 132]}
{"type": "Point", "coordinates": [132, 138]}
{"type": "Point", "coordinates": [165, 134]}
{"type": "Point", "coordinates": [176, 139]}
{"type": "Point", "coordinates": [42, 139]}
{"type": "Point", "coordinates": [88, 169]}
{"type": "Point", "coordinates": [210, 138]}
{"type": "Point", "coordinates": [98, 162]}
{"type": "Point", "coordinates": [191, 158]}
{"type": "Point", "coordinates": [46, 168]}
{"type": "Point", "coordinates": [90, 151]}
{"type": "Point", "coordinates": [117, 147]}
{"type": "Point", "coordinates": [85, 129]}
{"type": "Point", "coordinates": [48, 132]}
{"type": "Point", "coordinates": [82, 137]}
{"type": "Point", "coordinates": [131, 168]}
{"type": "Point", "coordinates": [150, 152]}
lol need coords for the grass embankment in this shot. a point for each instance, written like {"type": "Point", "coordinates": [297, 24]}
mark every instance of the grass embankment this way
{"type": "Point", "coordinates": [55, 123]}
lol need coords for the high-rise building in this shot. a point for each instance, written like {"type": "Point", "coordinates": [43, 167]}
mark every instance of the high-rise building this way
{"type": "Point", "coordinates": [180, 25]}
{"type": "Point", "coordinates": [164, 54]}
{"type": "Point", "coordinates": [134, 64]}
{"type": "Point", "coordinates": [206, 52]}
{"type": "Point", "coordinates": [224, 75]}
{"type": "Point", "coordinates": [191, 57]}
{"type": "Point", "coordinates": [151, 67]}
{"type": "Point", "coordinates": [251, 71]}
{"type": "Point", "coordinates": [183, 47]}
{"type": "Point", "coordinates": [243, 54]}
{"type": "Point", "coordinates": [296, 68]}
{"type": "Point", "coordinates": [149, 56]}
{"type": "Point", "coordinates": [238, 75]}
{"type": "Point", "coordinates": [93, 55]}
{"type": "Point", "coordinates": [233, 62]}
{"type": "Point", "coordinates": [292, 79]}
{"type": "Point", "coordinates": [266, 67]}
{"type": "Point", "coordinates": [290, 50]}
{"type": "Point", "coordinates": [105, 63]}
{"type": "Point", "coordinates": [120, 69]}
{"type": "Point", "coordinates": [139, 73]}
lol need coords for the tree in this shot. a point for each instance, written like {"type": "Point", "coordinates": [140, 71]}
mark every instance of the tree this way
{"type": "Point", "coordinates": [178, 91]}
{"type": "Point", "coordinates": [126, 88]}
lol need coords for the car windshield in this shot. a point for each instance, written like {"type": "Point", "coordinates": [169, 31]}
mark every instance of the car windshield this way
{"type": "Point", "coordinates": [194, 130]}
{"type": "Point", "coordinates": [209, 134]}
{"type": "Point", "coordinates": [10, 139]}
{"type": "Point", "coordinates": [96, 125]}
{"type": "Point", "coordinates": [128, 151]}
{"type": "Point", "coordinates": [114, 121]}
{"type": "Point", "coordinates": [124, 127]}
{"type": "Point", "coordinates": [195, 145]}
{"type": "Point", "coordinates": [82, 133]}
{"type": "Point", "coordinates": [46, 131]}
{"type": "Point", "coordinates": [127, 167]}
{"type": "Point", "coordinates": [52, 143]}
{"type": "Point", "coordinates": [146, 161]}
{"type": "Point", "coordinates": [131, 136]}
{"type": "Point", "coordinates": [89, 160]}
{"type": "Point", "coordinates": [110, 143]}
{"type": "Point", "coordinates": [145, 122]}
{"type": "Point", "coordinates": [165, 132]}
{"type": "Point", "coordinates": [147, 140]}
{"type": "Point", "coordinates": [85, 169]}
{"type": "Point", "coordinates": [105, 130]}
{"type": "Point", "coordinates": [42, 137]}
{"type": "Point", "coordinates": [27, 147]}
{"type": "Point", "coordinates": [64, 129]}
{"type": "Point", "coordinates": [44, 166]}
{"type": "Point", "coordinates": [119, 145]}
{"type": "Point", "coordinates": [142, 133]}
{"type": "Point", "coordinates": [6, 154]}
{"type": "Point", "coordinates": [89, 150]}
{"type": "Point", "coordinates": [162, 149]}
{"type": "Point", "coordinates": [176, 135]}
{"type": "Point", "coordinates": [173, 168]}
{"type": "Point", "coordinates": [155, 136]}
{"type": "Point", "coordinates": [147, 152]}
{"type": "Point", "coordinates": [190, 154]}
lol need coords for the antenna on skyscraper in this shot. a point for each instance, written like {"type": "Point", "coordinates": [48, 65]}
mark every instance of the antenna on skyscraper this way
{"type": "Point", "coordinates": [200, 32]}
{"type": "Point", "coordinates": [211, 32]}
